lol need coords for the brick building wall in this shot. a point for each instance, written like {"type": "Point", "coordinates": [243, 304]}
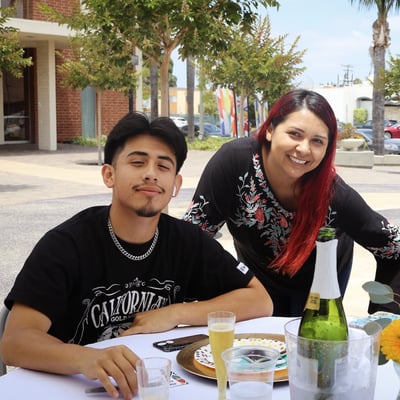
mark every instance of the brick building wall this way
{"type": "Point", "coordinates": [69, 119]}
{"type": "Point", "coordinates": [63, 6]}
{"type": "Point", "coordinates": [114, 106]}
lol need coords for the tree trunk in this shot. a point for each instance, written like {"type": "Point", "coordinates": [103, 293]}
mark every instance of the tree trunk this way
{"type": "Point", "coordinates": [378, 101]}
{"type": "Point", "coordinates": [381, 40]}
{"type": "Point", "coordinates": [164, 84]}
{"type": "Point", "coordinates": [154, 92]}
{"type": "Point", "coordinates": [190, 72]}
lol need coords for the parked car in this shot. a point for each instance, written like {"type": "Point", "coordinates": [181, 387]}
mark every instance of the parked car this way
{"type": "Point", "coordinates": [209, 130]}
{"type": "Point", "coordinates": [179, 121]}
{"type": "Point", "coordinates": [391, 146]}
{"type": "Point", "coordinates": [386, 123]}
{"type": "Point", "coordinates": [366, 133]}
{"type": "Point", "coordinates": [185, 130]}
{"type": "Point", "coordinates": [392, 131]}
{"type": "Point", "coordinates": [213, 130]}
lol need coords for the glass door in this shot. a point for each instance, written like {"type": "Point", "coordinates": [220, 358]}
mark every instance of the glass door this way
{"type": "Point", "coordinates": [17, 106]}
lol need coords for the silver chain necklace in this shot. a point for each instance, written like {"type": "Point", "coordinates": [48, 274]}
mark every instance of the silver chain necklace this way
{"type": "Point", "coordinates": [124, 252]}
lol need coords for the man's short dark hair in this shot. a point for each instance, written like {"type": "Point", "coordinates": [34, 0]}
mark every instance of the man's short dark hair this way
{"type": "Point", "coordinates": [134, 124]}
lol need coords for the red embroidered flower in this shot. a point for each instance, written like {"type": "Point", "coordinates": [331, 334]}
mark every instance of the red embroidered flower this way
{"type": "Point", "coordinates": [259, 215]}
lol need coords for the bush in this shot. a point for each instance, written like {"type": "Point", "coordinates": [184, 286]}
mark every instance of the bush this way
{"type": "Point", "coordinates": [360, 115]}
{"type": "Point", "coordinates": [92, 142]}
{"type": "Point", "coordinates": [208, 143]}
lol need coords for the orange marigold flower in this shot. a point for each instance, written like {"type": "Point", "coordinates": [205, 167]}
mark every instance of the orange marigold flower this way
{"type": "Point", "coordinates": [390, 341]}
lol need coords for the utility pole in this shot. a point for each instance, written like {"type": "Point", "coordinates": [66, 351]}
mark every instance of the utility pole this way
{"type": "Point", "coordinates": [347, 80]}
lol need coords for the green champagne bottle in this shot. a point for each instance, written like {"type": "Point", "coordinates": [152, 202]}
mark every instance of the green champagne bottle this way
{"type": "Point", "coordinates": [324, 317]}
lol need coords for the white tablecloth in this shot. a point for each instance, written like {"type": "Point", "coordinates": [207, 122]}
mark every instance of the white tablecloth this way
{"type": "Point", "coordinates": [21, 384]}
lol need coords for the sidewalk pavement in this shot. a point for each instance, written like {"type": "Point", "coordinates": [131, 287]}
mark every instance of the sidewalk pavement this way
{"type": "Point", "coordinates": [39, 189]}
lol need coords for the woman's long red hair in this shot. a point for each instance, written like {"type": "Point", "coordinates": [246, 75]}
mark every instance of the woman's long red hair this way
{"type": "Point", "coordinates": [316, 187]}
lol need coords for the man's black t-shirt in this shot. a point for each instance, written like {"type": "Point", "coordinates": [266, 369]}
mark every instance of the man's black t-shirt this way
{"type": "Point", "coordinates": [90, 291]}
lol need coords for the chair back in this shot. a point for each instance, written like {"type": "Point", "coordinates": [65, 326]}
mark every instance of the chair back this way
{"type": "Point", "coordinates": [3, 319]}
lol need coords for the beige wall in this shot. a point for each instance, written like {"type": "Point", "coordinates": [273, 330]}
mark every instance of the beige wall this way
{"type": "Point", "coordinates": [178, 104]}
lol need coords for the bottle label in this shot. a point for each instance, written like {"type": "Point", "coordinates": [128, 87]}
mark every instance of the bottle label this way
{"type": "Point", "coordinates": [313, 301]}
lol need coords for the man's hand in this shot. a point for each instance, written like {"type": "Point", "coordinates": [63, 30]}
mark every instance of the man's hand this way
{"type": "Point", "coordinates": [112, 362]}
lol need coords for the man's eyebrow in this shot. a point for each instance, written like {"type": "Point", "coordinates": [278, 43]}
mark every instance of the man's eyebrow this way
{"type": "Point", "coordinates": [144, 154]}
{"type": "Point", "coordinates": [137, 153]}
{"type": "Point", "coordinates": [167, 158]}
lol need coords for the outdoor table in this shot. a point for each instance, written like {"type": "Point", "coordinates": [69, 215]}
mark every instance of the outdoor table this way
{"type": "Point", "coordinates": [23, 384]}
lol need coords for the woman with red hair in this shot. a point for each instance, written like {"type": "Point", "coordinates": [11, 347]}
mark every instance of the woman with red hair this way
{"type": "Point", "coordinates": [274, 191]}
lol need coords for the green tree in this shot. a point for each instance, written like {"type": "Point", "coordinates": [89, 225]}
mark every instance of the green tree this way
{"type": "Point", "coordinates": [392, 78]}
{"type": "Point", "coordinates": [210, 104]}
{"type": "Point", "coordinates": [11, 53]}
{"type": "Point", "coordinates": [255, 64]}
{"type": "Point", "coordinates": [158, 27]}
{"type": "Point", "coordinates": [380, 42]}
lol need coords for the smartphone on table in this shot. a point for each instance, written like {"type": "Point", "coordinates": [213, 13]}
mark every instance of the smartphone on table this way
{"type": "Point", "coordinates": [178, 343]}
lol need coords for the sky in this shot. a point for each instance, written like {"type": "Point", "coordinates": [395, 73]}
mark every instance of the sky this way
{"type": "Point", "coordinates": [336, 35]}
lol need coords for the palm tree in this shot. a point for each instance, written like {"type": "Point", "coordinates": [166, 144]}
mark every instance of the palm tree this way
{"type": "Point", "coordinates": [380, 42]}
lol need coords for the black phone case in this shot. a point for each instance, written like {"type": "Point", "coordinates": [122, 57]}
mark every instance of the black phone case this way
{"type": "Point", "coordinates": [178, 343]}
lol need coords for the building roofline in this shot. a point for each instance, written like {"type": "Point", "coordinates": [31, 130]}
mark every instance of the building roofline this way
{"type": "Point", "coordinates": [33, 31]}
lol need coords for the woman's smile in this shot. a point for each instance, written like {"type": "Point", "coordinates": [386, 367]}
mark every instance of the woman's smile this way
{"type": "Point", "coordinates": [297, 160]}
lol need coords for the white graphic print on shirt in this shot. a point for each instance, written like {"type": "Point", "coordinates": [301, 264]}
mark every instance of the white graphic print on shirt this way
{"type": "Point", "coordinates": [111, 310]}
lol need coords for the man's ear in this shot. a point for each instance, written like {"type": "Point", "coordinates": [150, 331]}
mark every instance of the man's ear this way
{"type": "Point", "coordinates": [178, 185]}
{"type": "Point", "coordinates": [107, 172]}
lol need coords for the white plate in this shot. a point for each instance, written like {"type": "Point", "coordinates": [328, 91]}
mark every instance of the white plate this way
{"type": "Point", "coordinates": [203, 355]}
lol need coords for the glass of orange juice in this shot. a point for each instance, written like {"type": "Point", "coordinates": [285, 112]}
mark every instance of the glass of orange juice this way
{"type": "Point", "coordinates": [221, 330]}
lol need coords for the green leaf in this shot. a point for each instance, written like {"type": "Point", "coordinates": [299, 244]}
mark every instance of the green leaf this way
{"type": "Point", "coordinates": [378, 292]}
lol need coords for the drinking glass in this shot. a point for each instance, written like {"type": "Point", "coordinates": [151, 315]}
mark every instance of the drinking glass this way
{"type": "Point", "coordinates": [251, 371]}
{"type": "Point", "coordinates": [153, 375]}
{"type": "Point", "coordinates": [221, 330]}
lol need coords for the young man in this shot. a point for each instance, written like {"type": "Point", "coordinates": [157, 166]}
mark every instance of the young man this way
{"type": "Point", "coordinates": [123, 269]}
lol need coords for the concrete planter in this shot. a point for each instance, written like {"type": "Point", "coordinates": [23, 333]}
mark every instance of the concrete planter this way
{"type": "Point", "coordinates": [351, 143]}
{"type": "Point", "coordinates": [349, 158]}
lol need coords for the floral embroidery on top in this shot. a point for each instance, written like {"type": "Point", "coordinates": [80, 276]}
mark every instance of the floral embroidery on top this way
{"type": "Point", "coordinates": [197, 216]}
{"type": "Point", "coordinates": [392, 249]}
{"type": "Point", "coordinates": [330, 218]}
{"type": "Point", "coordinates": [259, 208]}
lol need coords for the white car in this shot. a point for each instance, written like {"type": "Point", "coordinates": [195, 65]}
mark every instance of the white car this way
{"type": "Point", "coordinates": [179, 121]}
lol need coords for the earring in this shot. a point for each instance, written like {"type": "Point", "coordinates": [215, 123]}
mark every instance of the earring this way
{"type": "Point", "coordinates": [174, 192]}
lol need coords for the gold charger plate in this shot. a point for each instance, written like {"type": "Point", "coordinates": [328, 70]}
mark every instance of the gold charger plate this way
{"type": "Point", "coordinates": [186, 360]}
